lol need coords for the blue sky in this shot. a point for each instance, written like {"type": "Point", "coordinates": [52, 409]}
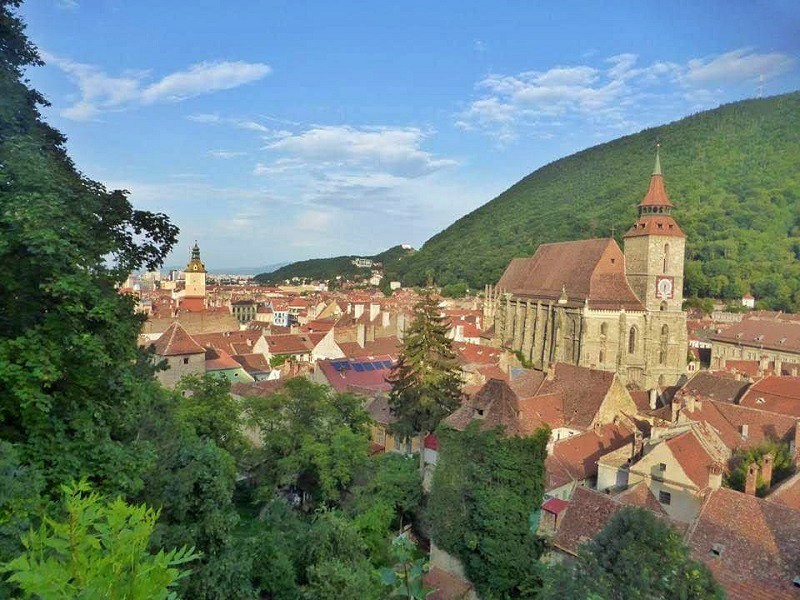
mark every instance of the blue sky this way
{"type": "Point", "coordinates": [282, 131]}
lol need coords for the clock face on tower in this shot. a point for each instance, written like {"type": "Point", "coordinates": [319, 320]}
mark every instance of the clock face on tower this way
{"type": "Point", "coordinates": [664, 288]}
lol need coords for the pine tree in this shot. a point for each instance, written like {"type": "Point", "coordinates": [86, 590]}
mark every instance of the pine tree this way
{"type": "Point", "coordinates": [426, 382]}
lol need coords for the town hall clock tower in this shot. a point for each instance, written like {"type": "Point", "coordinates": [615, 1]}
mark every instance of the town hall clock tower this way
{"type": "Point", "coordinates": [194, 294]}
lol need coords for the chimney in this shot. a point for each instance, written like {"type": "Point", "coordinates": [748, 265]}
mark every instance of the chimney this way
{"type": "Point", "coordinates": [385, 317]}
{"type": "Point", "coordinates": [349, 308]}
{"type": "Point", "coordinates": [766, 469]}
{"type": "Point", "coordinates": [715, 476]}
{"type": "Point", "coordinates": [361, 334]}
{"type": "Point", "coordinates": [751, 480]}
{"type": "Point", "coordinates": [676, 407]}
{"type": "Point", "coordinates": [690, 405]}
{"type": "Point", "coordinates": [744, 429]}
{"type": "Point", "coordinates": [794, 370]}
{"type": "Point", "coordinates": [374, 309]}
{"type": "Point", "coordinates": [653, 398]}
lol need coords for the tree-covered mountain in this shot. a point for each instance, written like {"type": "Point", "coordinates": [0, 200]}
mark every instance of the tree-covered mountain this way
{"type": "Point", "coordinates": [733, 174]}
{"type": "Point", "coordinates": [320, 269]}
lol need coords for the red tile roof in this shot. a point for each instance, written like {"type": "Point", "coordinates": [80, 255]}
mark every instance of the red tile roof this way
{"type": "Point", "coordinates": [757, 541]}
{"type": "Point", "coordinates": [787, 493]}
{"type": "Point", "coordinates": [381, 346]}
{"type": "Point", "coordinates": [447, 585]}
{"type": "Point", "coordinates": [292, 343]}
{"type": "Point", "coordinates": [585, 517]}
{"type": "Point", "coordinates": [219, 360]}
{"type": "Point", "coordinates": [775, 394]}
{"type": "Point", "coordinates": [706, 385]}
{"type": "Point", "coordinates": [692, 457]}
{"type": "Point", "coordinates": [554, 505]}
{"type": "Point", "coordinates": [475, 354]}
{"type": "Point", "coordinates": [589, 269]}
{"type": "Point", "coordinates": [176, 342]}
{"type": "Point", "coordinates": [773, 331]}
{"type": "Point", "coordinates": [351, 380]}
{"type": "Point", "coordinates": [253, 363]}
{"type": "Point", "coordinates": [579, 454]}
{"type": "Point", "coordinates": [658, 224]}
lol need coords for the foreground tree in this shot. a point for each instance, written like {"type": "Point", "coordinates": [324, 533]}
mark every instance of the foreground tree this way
{"type": "Point", "coordinates": [99, 552]}
{"type": "Point", "coordinates": [426, 382]}
{"type": "Point", "coordinates": [70, 397]}
{"type": "Point", "coordinates": [636, 556]}
{"type": "Point", "coordinates": [486, 488]}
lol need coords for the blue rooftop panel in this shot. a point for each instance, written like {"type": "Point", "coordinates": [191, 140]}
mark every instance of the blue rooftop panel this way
{"type": "Point", "coordinates": [358, 367]}
{"type": "Point", "coordinates": [368, 367]}
{"type": "Point", "coordinates": [388, 364]}
{"type": "Point", "coordinates": [378, 365]}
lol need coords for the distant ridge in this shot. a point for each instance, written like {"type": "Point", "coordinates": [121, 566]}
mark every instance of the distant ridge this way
{"type": "Point", "coordinates": [733, 174]}
{"type": "Point", "coordinates": [323, 269]}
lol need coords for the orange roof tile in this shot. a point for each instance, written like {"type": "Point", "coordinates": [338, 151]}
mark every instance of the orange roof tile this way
{"type": "Point", "coordinates": [176, 342]}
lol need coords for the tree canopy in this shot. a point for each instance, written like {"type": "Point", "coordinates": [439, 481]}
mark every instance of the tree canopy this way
{"type": "Point", "coordinates": [636, 556]}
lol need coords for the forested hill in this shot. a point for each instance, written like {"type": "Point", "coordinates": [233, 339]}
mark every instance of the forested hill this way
{"type": "Point", "coordinates": [733, 174]}
{"type": "Point", "coordinates": [327, 268]}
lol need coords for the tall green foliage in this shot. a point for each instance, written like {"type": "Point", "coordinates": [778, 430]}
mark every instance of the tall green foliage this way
{"type": "Point", "coordinates": [485, 489]}
{"type": "Point", "coordinates": [98, 552]}
{"type": "Point", "coordinates": [426, 382]}
{"type": "Point", "coordinates": [69, 366]}
{"type": "Point", "coordinates": [782, 465]}
{"type": "Point", "coordinates": [636, 556]}
{"type": "Point", "coordinates": [731, 173]}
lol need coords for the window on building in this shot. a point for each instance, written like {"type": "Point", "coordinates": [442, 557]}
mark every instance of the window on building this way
{"type": "Point", "coordinates": [717, 549]}
{"type": "Point", "coordinates": [662, 355]}
{"type": "Point", "coordinates": [664, 497]}
{"type": "Point", "coordinates": [602, 356]}
{"type": "Point", "coordinates": [632, 340]}
{"type": "Point", "coordinates": [186, 360]}
{"type": "Point", "coordinates": [662, 467]}
{"type": "Point", "coordinates": [603, 329]}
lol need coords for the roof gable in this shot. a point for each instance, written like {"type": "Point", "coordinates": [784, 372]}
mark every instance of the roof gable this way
{"type": "Point", "coordinates": [175, 341]}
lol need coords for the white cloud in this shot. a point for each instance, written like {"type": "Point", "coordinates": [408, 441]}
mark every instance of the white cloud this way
{"type": "Point", "coordinates": [397, 150]}
{"type": "Point", "coordinates": [609, 98]}
{"type": "Point", "coordinates": [225, 154]}
{"type": "Point", "coordinates": [204, 78]}
{"type": "Point", "coordinates": [204, 118]}
{"type": "Point", "coordinates": [67, 4]}
{"type": "Point", "coordinates": [100, 92]}
{"type": "Point", "coordinates": [735, 67]}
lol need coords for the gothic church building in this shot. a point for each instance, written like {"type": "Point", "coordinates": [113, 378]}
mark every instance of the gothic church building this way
{"type": "Point", "coordinates": [588, 303]}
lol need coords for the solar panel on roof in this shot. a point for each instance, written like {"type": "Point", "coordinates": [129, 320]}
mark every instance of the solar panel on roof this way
{"type": "Point", "coordinates": [378, 365]}
{"type": "Point", "coordinates": [368, 367]}
{"type": "Point", "coordinates": [388, 364]}
{"type": "Point", "coordinates": [358, 367]}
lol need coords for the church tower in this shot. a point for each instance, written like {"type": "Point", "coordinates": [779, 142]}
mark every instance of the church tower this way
{"type": "Point", "coordinates": [195, 291]}
{"type": "Point", "coordinates": [654, 250]}
{"type": "Point", "coordinates": [654, 254]}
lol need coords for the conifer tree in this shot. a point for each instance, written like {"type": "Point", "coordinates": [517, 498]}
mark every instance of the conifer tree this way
{"type": "Point", "coordinates": [426, 382]}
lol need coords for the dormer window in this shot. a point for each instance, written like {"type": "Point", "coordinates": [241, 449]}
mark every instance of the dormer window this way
{"type": "Point", "coordinates": [717, 549]}
{"type": "Point", "coordinates": [479, 411]}
{"type": "Point", "coordinates": [662, 467]}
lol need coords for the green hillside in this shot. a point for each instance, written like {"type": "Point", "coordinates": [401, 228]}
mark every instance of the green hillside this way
{"type": "Point", "coordinates": [733, 174]}
{"type": "Point", "coordinates": [323, 269]}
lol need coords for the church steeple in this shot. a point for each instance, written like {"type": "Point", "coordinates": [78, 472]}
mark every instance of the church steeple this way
{"type": "Point", "coordinates": [656, 200]}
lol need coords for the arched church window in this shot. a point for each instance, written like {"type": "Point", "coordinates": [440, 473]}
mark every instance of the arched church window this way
{"type": "Point", "coordinates": [632, 340]}
{"type": "Point", "coordinates": [666, 257]}
{"type": "Point", "coordinates": [663, 306]}
{"type": "Point", "coordinates": [602, 356]}
{"type": "Point", "coordinates": [603, 329]}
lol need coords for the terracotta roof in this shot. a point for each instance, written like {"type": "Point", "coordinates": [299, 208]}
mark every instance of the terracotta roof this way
{"type": "Point", "coordinates": [557, 473]}
{"type": "Point", "coordinates": [787, 493]}
{"type": "Point", "coordinates": [706, 385]}
{"type": "Point", "coordinates": [756, 542]}
{"type": "Point", "coordinates": [692, 457]}
{"type": "Point", "coordinates": [580, 453]}
{"type": "Point", "coordinates": [380, 346]}
{"type": "Point", "coordinates": [554, 505]}
{"type": "Point", "coordinates": [775, 394]}
{"type": "Point", "coordinates": [258, 388]}
{"type": "Point", "coordinates": [640, 495]}
{"type": "Point", "coordinates": [779, 332]}
{"type": "Point", "coordinates": [585, 517]}
{"type": "Point", "coordinates": [657, 193]}
{"type": "Point", "coordinates": [219, 360]}
{"type": "Point", "coordinates": [588, 269]}
{"type": "Point", "coordinates": [253, 363]}
{"type": "Point", "coordinates": [655, 224]}
{"type": "Point", "coordinates": [476, 354]}
{"type": "Point", "coordinates": [292, 343]}
{"type": "Point", "coordinates": [232, 342]}
{"type": "Point", "coordinates": [176, 342]}
{"type": "Point", "coordinates": [582, 391]}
